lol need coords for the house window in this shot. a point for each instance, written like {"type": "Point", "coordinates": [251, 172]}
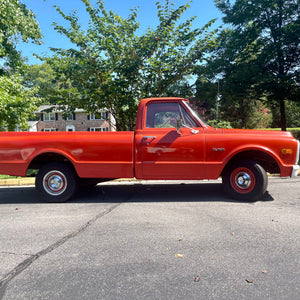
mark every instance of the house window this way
{"type": "Point", "coordinates": [70, 117]}
{"type": "Point", "coordinates": [49, 116]}
{"type": "Point", "coordinates": [98, 116]}
{"type": "Point", "coordinates": [50, 129]}
{"type": "Point", "coordinates": [98, 129]}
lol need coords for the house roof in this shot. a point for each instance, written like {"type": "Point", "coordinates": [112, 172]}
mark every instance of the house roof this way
{"type": "Point", "coordinates": [55, 108]}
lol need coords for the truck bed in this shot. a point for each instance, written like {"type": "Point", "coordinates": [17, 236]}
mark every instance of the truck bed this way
{"type": "Point", "coordinates": [93, 154]}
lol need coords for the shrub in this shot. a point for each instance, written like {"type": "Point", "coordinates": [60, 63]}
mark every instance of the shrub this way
{"type": "Point", "coordinates": [219, 124]}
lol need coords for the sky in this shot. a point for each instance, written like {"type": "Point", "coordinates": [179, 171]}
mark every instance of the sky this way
{"type": "Point", "coordinates": [46, 15]}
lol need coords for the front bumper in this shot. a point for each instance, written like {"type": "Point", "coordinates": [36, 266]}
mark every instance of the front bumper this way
{"type": "Point", "coordinates": [296, 167]}
{"type": "Point", "coordinates": [295, 171]}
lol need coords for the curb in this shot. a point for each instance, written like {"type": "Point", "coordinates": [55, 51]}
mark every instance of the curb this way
{"type": "Point", "coordinates": [31, 181]}
{"type": "Point", "coordinates": [17, 182]}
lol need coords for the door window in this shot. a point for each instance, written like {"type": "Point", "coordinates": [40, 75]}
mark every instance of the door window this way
{"type": "Point", "coordinates": [166, 115]}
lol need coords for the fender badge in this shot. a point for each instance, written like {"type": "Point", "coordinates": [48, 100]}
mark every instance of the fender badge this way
{"type": "Point", "coordinates": [218, 149]}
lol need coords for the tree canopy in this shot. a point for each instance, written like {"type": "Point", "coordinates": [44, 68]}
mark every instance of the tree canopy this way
{"type": "Point", "coordinates": [259, 54]}
{"type": "Point", "coordinates": [17, 22]}
{"type": "Point", "coordinates": [17, 103]}
{"type": "Point", "coordinates": [113, 66]}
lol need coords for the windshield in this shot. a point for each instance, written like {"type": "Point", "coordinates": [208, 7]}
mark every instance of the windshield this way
{"type": "Point", "coordinates": [195, 113]}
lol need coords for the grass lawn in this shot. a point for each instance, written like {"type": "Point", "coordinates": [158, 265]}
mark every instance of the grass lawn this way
{"type": "Point", "coordinates": [30, 173]}
{"type": "Point", "coordinates": [288, 129]}
{"type": "Point", "coordinates": [8, 177]}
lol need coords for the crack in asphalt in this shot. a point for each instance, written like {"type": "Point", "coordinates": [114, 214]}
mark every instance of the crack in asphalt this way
{"type": "Point", "coordinates": [16, 254]}
{"type": "Point", "coordinates": [27, 262]}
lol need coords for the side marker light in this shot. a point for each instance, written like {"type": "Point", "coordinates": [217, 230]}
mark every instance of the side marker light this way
{"type": "Point", "coordinates": [286, 151]}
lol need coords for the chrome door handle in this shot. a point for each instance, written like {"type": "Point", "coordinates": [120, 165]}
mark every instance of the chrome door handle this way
{"type": "Point", "coordinates": [148, 138]}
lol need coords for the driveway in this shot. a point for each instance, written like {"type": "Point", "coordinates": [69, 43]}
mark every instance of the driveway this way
{"type": "Point", "coordinates": [158, 240]}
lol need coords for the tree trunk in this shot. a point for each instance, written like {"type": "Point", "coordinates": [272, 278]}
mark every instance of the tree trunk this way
{"type": "Point", "coordinates": [282, 115]}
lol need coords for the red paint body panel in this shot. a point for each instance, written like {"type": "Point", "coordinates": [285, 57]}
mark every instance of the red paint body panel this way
{"type": "Point", "coordinates": [235, 141]}
{"type": "Point", "coordinates": [203, 155]}
{"type": "Point", "coordinates": [93, 154]}
{"type": "Point", "coordinates": [147, 153]}
{"type": "Point", "coordinates": [170, 155]}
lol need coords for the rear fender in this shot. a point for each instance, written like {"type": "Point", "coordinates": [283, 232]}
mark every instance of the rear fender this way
{"type": "Point", "coordinates": [49, 155]}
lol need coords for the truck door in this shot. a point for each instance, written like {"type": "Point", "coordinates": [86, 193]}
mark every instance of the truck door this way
{"type": "Point", "coordinates": [168, 153]}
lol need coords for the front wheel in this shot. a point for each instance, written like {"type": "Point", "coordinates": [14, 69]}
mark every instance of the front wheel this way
{"type": "Point", "coordinates": [245, 180]}
{"type": "Point", "coordinates": [55, 182]}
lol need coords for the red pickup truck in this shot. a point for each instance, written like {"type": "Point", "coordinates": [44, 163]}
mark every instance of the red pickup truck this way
{"type": "Point", "coordinates": [170, 142]}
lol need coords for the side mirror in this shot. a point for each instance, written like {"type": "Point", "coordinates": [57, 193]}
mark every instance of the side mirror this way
{"type": "Point", "coordinates": [180, 124]}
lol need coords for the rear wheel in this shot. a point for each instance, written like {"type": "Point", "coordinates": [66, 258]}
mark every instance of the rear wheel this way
{"type": "Point", "coordinates": [56, 182]}
{"type": "Point", "coordinates": [245, 180]}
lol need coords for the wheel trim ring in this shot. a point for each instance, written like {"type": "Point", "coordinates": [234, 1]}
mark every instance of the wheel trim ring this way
{"type": "Point", "coordinates": [242, 180]}
{"type": "Point", "coordinates": [55, 183]}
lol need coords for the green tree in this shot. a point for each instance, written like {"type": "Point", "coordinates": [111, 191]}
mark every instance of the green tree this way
{"type": "Point", "coordinates": [114, 67]}
{"type": "Point", "coordinates": [259, 55]}
{"type": "Point", "coordinates": [292, 115]}
{"type": "Point", "coordinates": [17, 22]}
{"type": "Point", "coordinates": [16, 103]}
{"type": "Point", "coordinates": [41, 77]}
{"type": "Point", "coordinates": [50, 86]}
{"type": "Point", "coordinates": [206, 94]}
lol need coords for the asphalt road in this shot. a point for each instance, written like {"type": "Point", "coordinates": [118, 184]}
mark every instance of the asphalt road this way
{"type": "Point", "coordinates": [151, 241]}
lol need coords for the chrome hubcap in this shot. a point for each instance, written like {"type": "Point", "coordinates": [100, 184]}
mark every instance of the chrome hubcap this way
{"type": "Point", "coordinates": [243, 180]}
{"type": "Point", "coordinates": [55, 183]}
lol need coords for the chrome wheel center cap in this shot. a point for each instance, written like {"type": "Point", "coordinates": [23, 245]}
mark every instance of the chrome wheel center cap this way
{"type": "Point", "coordinates": [243, 180]}
{"type": "Point", "coordinates": [56, 183]}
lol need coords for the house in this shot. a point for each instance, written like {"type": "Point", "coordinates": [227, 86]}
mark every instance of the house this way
{"type": "Point", "coordinates": [52, 118]}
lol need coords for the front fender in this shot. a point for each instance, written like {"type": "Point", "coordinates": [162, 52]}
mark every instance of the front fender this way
{"type": "Point", "coordinates": [220, 157]}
